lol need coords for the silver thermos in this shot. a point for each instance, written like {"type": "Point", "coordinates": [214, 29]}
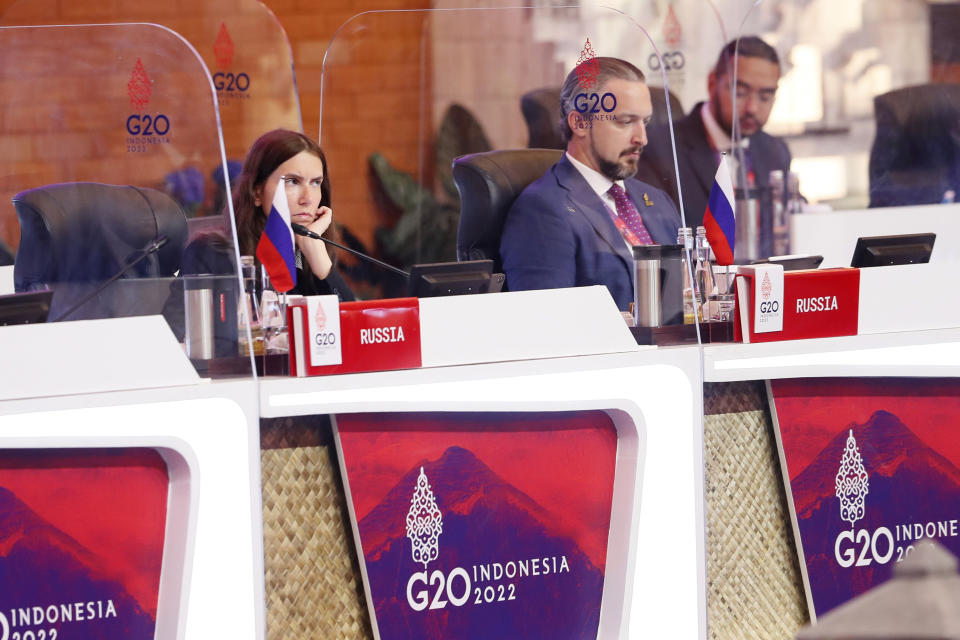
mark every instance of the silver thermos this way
{"type": "Point", "coordinates": [198, 317]}
{"type": "Point", "coordinates": [657, 285]}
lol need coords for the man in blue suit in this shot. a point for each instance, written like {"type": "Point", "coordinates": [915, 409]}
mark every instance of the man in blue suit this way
{"type": "Point", "coordinates": [575, 225]}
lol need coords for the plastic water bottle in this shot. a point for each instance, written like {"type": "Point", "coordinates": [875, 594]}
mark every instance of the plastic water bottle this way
{"type": "Point", "coordinates": [704, 277]}
{"type": "Point", "coordinates": [691, 296]}
{"type": "Point", "coordinates": [703, 273]}
{"type": "Point", "coordinates": [249, 309]}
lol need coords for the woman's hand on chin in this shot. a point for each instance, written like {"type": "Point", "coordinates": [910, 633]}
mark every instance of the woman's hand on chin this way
{"type": "Point", "coordinates": [315, 251]}
{"type": "Point", "coordinates": [322, 221]}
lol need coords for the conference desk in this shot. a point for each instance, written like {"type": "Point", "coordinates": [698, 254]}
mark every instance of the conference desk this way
{"type": "Point", "coordinates": [833, 234]}
{"type": "Point", "coordinates": [669, 569]}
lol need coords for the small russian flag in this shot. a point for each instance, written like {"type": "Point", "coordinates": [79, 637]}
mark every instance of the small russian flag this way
{"type": "Point", "coordinates": [275, 248]}
{"type": "Point", "coordinates": [719, 219]}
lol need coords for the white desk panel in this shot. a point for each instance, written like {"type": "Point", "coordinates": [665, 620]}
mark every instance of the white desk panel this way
{"type": "Point", "coordinates": [914, 353]}
{"type": "Point", "coordinates": [656, 585]}
{"type": "Point", "coordinates": [212, 583]}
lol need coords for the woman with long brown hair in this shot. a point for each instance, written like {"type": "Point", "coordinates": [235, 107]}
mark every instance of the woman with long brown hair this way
{"type": "Point", "coordinates": [291, 159]}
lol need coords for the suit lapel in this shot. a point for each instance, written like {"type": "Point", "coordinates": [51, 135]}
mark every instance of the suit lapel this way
{"type": "Point", "coordinates": [590, 206]}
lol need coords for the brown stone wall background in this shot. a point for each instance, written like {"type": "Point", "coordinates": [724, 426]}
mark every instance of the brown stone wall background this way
{"type": "Point", "coordinates": [391, 76]}
{"type": "Point", "coordinates": [370, 109]}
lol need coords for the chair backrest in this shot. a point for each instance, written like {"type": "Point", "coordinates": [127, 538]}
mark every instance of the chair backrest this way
{"type": "Point", "coordinates": [659, 97]}
{"type": "Point", "coordinates": [74, 236]}
{"type": "Point", "coordinates": [541, 110]}
{"type": "Point", "coordinates": [915, 157]}
{"type": "Point", "coordinates": [488, 184]}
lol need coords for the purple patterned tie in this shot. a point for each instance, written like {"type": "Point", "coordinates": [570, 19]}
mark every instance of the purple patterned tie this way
{"type": "Point", "coordinates": [629, 214]}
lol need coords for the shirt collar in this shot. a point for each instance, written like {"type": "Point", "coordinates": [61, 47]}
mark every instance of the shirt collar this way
{"type": "Point", "coordinates": [719, 138]}
{"type": "Point", "coordinates": [598, 182]}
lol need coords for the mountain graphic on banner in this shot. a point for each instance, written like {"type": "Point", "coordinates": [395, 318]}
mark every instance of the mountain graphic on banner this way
{"type": "Point", "coordinates": [910, 482]}
{"type": "Point", "coordinates": [42, 566]}
{"type": "Point", "coordinates": [485, 520]}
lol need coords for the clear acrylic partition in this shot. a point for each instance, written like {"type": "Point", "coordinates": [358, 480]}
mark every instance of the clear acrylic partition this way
{"type": "Point", "coordinates": [94, 122]}
{"type": "Point", "coordinates": [248, 55]}
{"type": "Point", "coordinates": [404, 93]}
{"type": "Point", "coordinates": [868, 105]}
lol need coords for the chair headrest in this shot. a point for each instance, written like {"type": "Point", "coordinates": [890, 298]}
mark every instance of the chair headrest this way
{"type": "Point", "coordinates": [541, 110]}
{"type": "Point", "coordinates": [915, 155]}
{"type": "Point", "coordinates": [488, 184]}
{"type": "Point", "coordinates": [85, 231]}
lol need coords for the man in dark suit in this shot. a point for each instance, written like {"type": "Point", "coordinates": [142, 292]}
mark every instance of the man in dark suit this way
{"type": "Point", "coordinates": [710, 128]}
{"type": "Point", "coordinates": [575, 225]}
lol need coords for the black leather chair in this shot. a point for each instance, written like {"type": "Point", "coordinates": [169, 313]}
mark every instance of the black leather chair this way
{"type": "Point", "coordinates": [488, 183]}
{"type": "Point", "coordinates": [915, 157]}
{"type": "Point", "coordinates": [541, 110]}
{"type": "Point", "coordinates": [75, 236]}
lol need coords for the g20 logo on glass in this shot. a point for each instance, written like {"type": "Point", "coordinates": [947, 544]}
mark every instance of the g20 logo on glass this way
{"type": "Point", "coordinates": [147, 125]}
{"type": "Point", "coordinates": [227, 83]}
{"type": "Point", "coordinates": [595, 103]}
{"type": "Point", "coordinates": [143, 128]}
{"type": "Point", "coordinates": [672, 61]}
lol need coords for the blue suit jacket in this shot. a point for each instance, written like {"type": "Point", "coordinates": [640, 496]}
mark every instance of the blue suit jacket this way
{"type": "Point", "coordinates": [558, 233]}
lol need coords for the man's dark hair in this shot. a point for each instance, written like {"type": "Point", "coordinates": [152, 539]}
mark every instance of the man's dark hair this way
{"type": "Point", "coordinates": [749, 47]}
{"type": "Point", "coordinates": [603, 69]}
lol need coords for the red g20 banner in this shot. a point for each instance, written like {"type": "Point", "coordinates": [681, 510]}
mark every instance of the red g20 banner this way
{"type": "Point", "coordinates": [81, 543]}
{"type": "Point", "coordinates": [478, 526]}
{"type": "Point", "coordinates": [873, 468]}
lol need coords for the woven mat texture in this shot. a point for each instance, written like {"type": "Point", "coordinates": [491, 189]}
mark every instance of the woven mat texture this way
{"type": "Point", "coordinates": [314, 588]}
{"type": "Point", "coordinates": [754, 588]}
{"type": "Point", "coordinates": [754, 585]}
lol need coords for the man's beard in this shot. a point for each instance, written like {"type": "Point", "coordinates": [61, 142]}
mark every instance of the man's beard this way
{"type": "Point", "coordinates": [753, 125]}
{"type": "Point", "coordinates": [615, 170]}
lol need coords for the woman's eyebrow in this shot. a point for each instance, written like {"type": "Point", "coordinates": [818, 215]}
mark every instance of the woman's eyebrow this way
{"type": "Point", "coordinates": [300, 177]}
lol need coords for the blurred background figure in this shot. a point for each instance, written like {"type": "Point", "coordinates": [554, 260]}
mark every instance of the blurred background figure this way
{"type": "Point", "coordinates": [711, 127]}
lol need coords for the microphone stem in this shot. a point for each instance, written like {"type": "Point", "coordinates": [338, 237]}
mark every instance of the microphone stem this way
{"type": "Point", "coordinates": [401, 272]}
{"type": "Point", "coordinates": [153, 248]}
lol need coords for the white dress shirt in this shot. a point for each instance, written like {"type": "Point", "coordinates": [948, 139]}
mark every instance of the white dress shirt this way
{"type": "Point", "coordinates": [601, 185]}
{"type": "Point", "coordinates": [598, 182]}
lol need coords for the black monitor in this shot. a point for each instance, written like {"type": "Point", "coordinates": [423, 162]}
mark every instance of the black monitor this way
{"type": "Point", "coordinates": [453, 278]}
{"type": "Point", "coordinates": [793, 262]}
{"type": "Point", "coordinates": [25, 308]}
{"type": "Point", "coordinates": [881, 251]}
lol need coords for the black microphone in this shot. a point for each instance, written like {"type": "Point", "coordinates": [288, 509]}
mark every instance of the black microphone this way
{"type": "Point", "coordinates": [301, 230]}
{"type": "Point", "coordinates": [152, 248]}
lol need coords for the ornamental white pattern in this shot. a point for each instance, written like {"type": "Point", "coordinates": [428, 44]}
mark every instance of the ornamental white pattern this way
{"type": "Point", "coordinates": [852, 484]}
{"type": "Point", "coordinates": [424, 523]}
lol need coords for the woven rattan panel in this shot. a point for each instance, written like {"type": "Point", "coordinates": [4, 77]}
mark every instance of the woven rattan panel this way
{"type": "Point", "coordinates": [313, 584]}
{"type": "Point", "coordinates": [754, 586]}
{"type": "Point", "coordinates": [754, 589]}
